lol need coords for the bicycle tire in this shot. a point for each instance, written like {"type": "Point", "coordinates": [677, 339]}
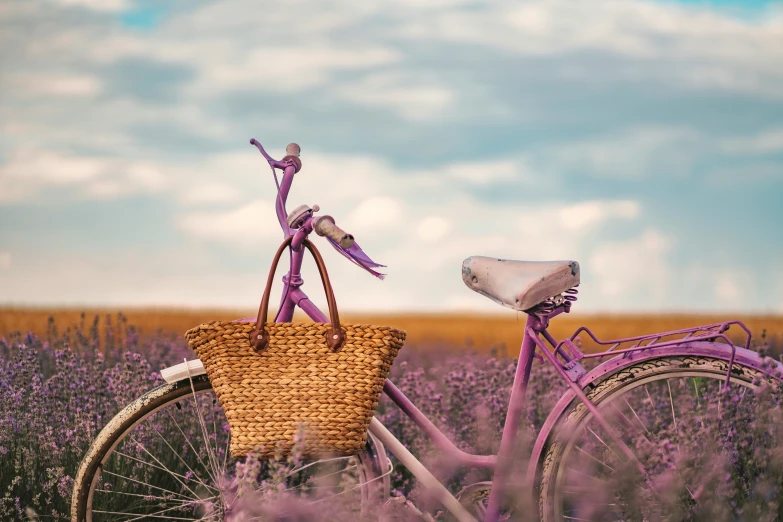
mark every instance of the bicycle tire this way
{"type": "Point", "coordinates": [574, 422]}
{"type": "Point", "coordinates": [373, 465]}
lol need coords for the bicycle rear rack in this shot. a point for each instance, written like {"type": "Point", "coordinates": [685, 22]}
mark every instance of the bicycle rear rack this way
{"type": "Point", "coordinates": [570, 354]}
{"type": "Point", "coordinates": [709, 332]}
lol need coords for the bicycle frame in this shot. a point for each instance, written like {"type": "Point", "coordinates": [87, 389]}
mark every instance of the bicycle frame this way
{"type": "Point", "coordinates": [563, 355]}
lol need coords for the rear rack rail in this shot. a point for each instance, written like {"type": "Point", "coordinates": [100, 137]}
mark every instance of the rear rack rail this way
{"type": "Point", "coordinates": [572, 354]}
{"type": "Point", "coordinates": [710, 332]}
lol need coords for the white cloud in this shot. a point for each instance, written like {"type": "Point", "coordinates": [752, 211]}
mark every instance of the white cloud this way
{"type": "Point", "coordinates": [424, 271]}
{"type": "Point", "coordinates": [636, 152]}
{"type": "Point", "coordinates": [124, 178]}
{"type": "Point", "coordinates": [701, 48]}
{"type": "Point", "coordinates": [130, 277]}
{"type": "Point", "coordinates": [5, 260]}
{"type": "Point", "coordinates": [409, 97]}
{"type": "Point", "coordinates": [45, 166]}
{"type": "Point", "coordinates": [300, 67]}
{"type": "Point", "coordinates": [293, 64]}
{"type": "Point", "coordinates": [619, 271]}
{"type": "Point", "coordinates": [228, 52]}
{"type": "Point", "coordinates": [28, 170]}
{"type": "Point", "coordinates": [375, 214]}
{"type": "Point", "coordinates": [588, 214]}
{"type": "Point", "coordinates": [249, 226]}
{"type": "Point", "coordinates": [341, 181]}
{"type": "Point", "coordinates": [734, 287]}
{"type": "Point", "coordinates": [487, 172]}
{"type": "Point", "coordinates": [211, 192]}
{"type": "Point", "coordinates": [767, 142]}
{"type": "Point", "coordinates": [96, 5]}
{"type": "Point", "coordinates": [105, 189]}
{"type": "Point", "coordinates": [67, 86]}
{"type": "Point", "coordinates": [433, 228]}
{"type": "Point", "coordinates": [146, 176]}
{"type": "Point", "coordinates": [539, 22]}
{"type": "Point", "coordinates": [728, 289]}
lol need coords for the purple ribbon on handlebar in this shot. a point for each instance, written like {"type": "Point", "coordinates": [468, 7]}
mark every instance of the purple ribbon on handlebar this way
{"type": "Point", "coordinates": [357, 256]}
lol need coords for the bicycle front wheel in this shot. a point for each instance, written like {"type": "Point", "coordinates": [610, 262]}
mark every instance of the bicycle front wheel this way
{"type": "Point", "coordinates": [166, 457]}
{"type": "Point", "coordinates": [697, 446]}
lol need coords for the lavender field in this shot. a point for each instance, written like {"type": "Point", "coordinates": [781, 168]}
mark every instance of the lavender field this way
{"type": "Point", "coordinates": [58, 390]}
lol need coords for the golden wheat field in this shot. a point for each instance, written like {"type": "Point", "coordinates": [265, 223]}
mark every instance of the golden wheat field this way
{"type": "Point", "coordinates": [478, 332]}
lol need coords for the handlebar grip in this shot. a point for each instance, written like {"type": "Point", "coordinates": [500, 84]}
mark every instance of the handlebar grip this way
{"type": "Point", "coordinates": [325, 226]}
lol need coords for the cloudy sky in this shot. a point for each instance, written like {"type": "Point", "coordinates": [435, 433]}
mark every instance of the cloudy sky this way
{"type": "Point", "coordinates": [642, 139]}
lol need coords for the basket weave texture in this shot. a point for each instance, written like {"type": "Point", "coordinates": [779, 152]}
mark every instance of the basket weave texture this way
{"type": "Point", "coordinates": [296, 379]}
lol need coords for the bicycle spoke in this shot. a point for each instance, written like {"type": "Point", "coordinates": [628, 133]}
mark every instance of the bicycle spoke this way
{"type": "Point", "coordinates": [604, 443]}
{"type": "Point", "coordinates": [302, 468]}
{"type": "Point", "coordinates": [143, 483]}
{"type": "Point", "coordinates": [628, 423]}
{"type": "Point", "coordinates": [674, 416]}
{"type": "Point", "coordinates": [637, 417]}
{"type": "Point", "coordinates": [145, 496]}
{"type": "Point", "coordinates": [161, 464]}
{"type": "Point", "coordinates": [158, 467]}
{"type": "Point", "coordinates": [595, 459]}
{"type": "Point", "coordinates": [214, 432]}
{"type": "Point", "coordinates": [578, 472]}
{"type": "Point", "coordinates": [175, 452]}
{"type": "Point", "coordinates": [167, 517]}
{"type": "Point", "coordinates": [156, 513]}
{"type": "Point", "coordinates": [187, 439]}
{"type": "Point", "coordinates": [203, 429]}
{"type": "Point", "coordinates": [652, 403]}
{"type": "Point", "coordinates": [226, 451]}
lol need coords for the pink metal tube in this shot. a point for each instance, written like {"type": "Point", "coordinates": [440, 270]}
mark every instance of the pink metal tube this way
{"type": "Point", "coordinates": [437, 437]}
{"type": "Point", "coordinates": [285, 187]}
{"type": "Point", "coordinates": [515, 409]}
{"type": "Point", "coordinates": [299, 298]}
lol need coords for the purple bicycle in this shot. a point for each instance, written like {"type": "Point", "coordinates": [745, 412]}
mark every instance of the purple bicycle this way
{"type": "Point", "coordinates": [597, 457]}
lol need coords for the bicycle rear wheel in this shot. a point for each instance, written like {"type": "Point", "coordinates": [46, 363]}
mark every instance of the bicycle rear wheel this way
{"type": "Point", "coordinates": [695, 443]}
{"type": "Point", "coordinates": [166, 457]}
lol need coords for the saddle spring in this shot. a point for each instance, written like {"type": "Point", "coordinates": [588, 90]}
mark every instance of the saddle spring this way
{"type": "Point", "coordinates": [566, 299]}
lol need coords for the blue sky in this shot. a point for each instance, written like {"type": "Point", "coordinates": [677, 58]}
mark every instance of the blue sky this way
{"type": "Point", "coordinates": [642, 139]}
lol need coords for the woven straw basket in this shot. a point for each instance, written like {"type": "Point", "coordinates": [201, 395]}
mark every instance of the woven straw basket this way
{"type": "Point", "coordinates": [270, 378]}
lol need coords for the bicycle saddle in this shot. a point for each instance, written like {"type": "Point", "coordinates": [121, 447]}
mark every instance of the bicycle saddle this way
{"type": "Point", "coordinates": [519, 285]}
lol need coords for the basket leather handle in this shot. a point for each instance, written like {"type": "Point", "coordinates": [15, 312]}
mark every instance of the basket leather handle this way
{"type": "Point", "coordinates": [335, 337]}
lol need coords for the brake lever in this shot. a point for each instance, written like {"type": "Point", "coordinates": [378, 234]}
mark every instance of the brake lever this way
{"type": "Point", "coordinates": [260, 148]}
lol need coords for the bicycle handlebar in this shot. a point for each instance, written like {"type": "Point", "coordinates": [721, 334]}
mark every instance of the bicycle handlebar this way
{"type": "Point", "coordinates": [324, 226]}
